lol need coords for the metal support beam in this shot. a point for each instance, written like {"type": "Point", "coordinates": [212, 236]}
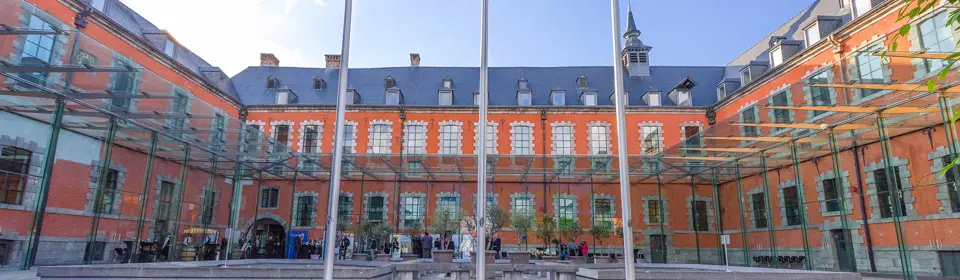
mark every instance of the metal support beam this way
{"type": "Point", "coordinates": [144, 195]}
{"type": "Point", "coordinates": [840, 189]}
{"type": "Point", "coordinates": [718, 216]}
{"type": "Point", "coordinates": [693, 210]}
{"type": "Point", "coordinates": [181, 192]}
{"type": "Point", "coordinates": [806, 125]}
{"type": "Point", "coordinates": [905, 258]}
{"type": "Point", "coordinates": [620, 98]}
{"type": "Point", "coordinates": [24, 68]}
{"type": "Point", "coordinates": [767, 211]}
{"type": "Point", "coordinates": [862, 109]}
{"type": "Point", "coordinates": [481, 270]}
{"type": "Point", "coordinates": [743, 222]}
{"type": "Point", "coordinates": [98, 192]}
{"type": "Point", "coordinates": [801, 205]}
{"type": "Point", "coordinates": [40, 202]}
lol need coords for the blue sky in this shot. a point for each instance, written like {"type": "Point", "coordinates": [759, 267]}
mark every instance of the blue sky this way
{"type": "Point", "coordinates": [232, 33]}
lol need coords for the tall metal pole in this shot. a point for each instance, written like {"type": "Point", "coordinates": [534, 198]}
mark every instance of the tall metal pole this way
{"type": "Point", "coordinates": [104, 171]}
{"type": "Point", "coordinates": [802, 205]}
{"type": "Point", "coordinates": [151, 155]}
{"type": "Point", "coordinates": [622, 142]}
{"type": "Point", "coordinates": [40, 202]}
{"type": "Point", "coordinates": [482, 138]}
{"type": "Point", "coordinates": [331, 230]}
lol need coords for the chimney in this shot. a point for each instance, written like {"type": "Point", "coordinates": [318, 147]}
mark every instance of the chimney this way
{"type": "Point", "coordinates": [414, 59]}
{"type": "Point", "coordinates": [333, 61]}
{"type": "Point", "coordinates": [268, 59]}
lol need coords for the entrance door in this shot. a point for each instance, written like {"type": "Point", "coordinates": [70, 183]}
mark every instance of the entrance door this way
{"type": "Point", "coordinates": [658, 249]}
{"type": "Point", "coordinates": [950, 263]}
{"type": "Point", "coordinates": [841, 242]}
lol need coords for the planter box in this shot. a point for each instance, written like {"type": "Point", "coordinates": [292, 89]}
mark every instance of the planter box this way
{"type": "Point", "coordinates": [519, 257]}
{"type": "Point", "coordinates": [314, 257]}
{"type": "Point", "coordinates": [408, 257]}
{"type": "Point", "coordinates": [490, 256]}
{"type": "Point", "coordinates": [578, 260]}
{"type": "Point", "coordinates": [549, 258]}
{"type": "Point", "coordinates": [443, 256]}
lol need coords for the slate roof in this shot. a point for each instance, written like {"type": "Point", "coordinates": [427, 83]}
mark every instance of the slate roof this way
{"type": "Point", "coordinates": [421, 85]}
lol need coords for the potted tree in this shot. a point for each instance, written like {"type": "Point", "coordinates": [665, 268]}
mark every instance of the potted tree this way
{"type": "Point", "coordinates": [600, 232]}
{"type": "Point", "coordinates": [546, 231]}
{"type": "Point", "coordinates": [571, 230]}
{"type": "Point", "coordinates": [380, 234]}
{"type": "Point", "coordinates": [363, 232]}
{"type": "Point", "coordinates": [522, 223]}
{"type": "Point", "coordinates": [444, 221]}
{"type": "Point", "coordinates": [412, 231]}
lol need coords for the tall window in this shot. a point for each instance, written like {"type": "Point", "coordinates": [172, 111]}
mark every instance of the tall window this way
{"type": "Point", "coordinates": [759, 210]}
{"type": "Point", "coordinates": [781, 98]}
{"type": "Point", "coordinates": [522, 204]}
{"type": "Point", "coordinates": [110, 191]}
{"type": "Point", "coordinates": [749, 115]}
{"type": "Point", "coordinates": [413, 210]}
{"type": "Point", "coordinates": [589, 98]}
{"type": "Point", "coordinates": [178, 105]}
{"type": "Point", "coordinates": [791, 205]}
{"type": "Point", "coordinates": [522, 140]}
{"type": "Point", "coordinates": [380, 139]}
{"type": "Point", "coordinates": [491, 139]}
{"type": "Point", "coordinates": [692, 135]}
{"type": "Point", "coordinates": [450, 139]}
{"type": "Point", "coordinates": [869, 69]}
{"type": "Point", "coordinates": [282, 135]}
{"type": "Point", "coordinates": [820, 96]}
{"type": "Point", "coordinates": [599, 140]}
{"type": "Point", "coordinates": [305, 210]}
{"type": "Point", "coordinates": [251, 138]}
{"type": "Point", "coordinates": [566, 210]}
{"type": "Point", "coordinates": [603, 212]}
{"type": "Point", "coordinates": [700, 222]}
{"type": "Point", "coordinates": [651, 139]}
{"type": "Point", "coordinates": [14, 172]}
{"type": "Point", "coordinates": [349, 138]}
{"type": "Point", "coordinates": [831, 195]}
{"type": "Point", "coordinates": [653, 211]}
{"type": "Point", "coordinates": [393, 97]}
{"type": "Point", "coordinates": [415, 138]}
{"type": "Point", "coordinates": [524, 98]}
{"type": "Point", "coordinates": [124, 84]}
{"type": "Point", "coordinates": [449, 204]}
{"type": "Point", "coordinates": [163, 209]}
{"type": "Point", "coordinates": [563, 140]}
{"type": "Point", "coordinates": [557, 98]}
{"type": "Point", "coordinates": [445, 98]}
{"type": "Point", "coordinates": [812, 34]}
{"type": "Point", "coordinates": [885, 193]}
{"type": "Point", "coordinates": [269, 198]}
{"type": "Point", "coordinates": [345, 208]}
{"type": "Point", "coordinates": [37, 50]}
{"type": "Point", "coordinates": [311, 139]}
{"type": "Point", "coordinates": [209, 206]}
{"type": "Point", "coordinates": [936, 37]}
{"type": "Point", "coordinates": [375, 208]}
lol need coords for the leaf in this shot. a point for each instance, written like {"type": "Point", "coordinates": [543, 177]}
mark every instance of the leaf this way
{"type": "Point", "coordinates": [905, 29]}
{"type": "Point", "coordinates": [932, 85]}
{"type": "Point", "coordinates": [947, 168]}
{"type": "Point", "coordinates": [956, 116]}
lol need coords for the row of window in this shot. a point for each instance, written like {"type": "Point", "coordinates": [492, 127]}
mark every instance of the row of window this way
{"type": "Point", "coordinates": [450, 138]}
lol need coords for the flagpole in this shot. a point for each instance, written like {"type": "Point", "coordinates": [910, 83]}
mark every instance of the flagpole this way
{"type": "Point", "coordinates": [331, 229]}
{"type": "Point", "coordinates": [481, 128]}
{"type": "Point", "coordinates": [629, 269]}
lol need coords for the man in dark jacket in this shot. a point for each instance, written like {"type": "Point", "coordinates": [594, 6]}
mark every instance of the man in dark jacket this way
{"type": "Point", "coordinates": [427, 243]}
{"type": "Point", "coordinates": [495, 246]}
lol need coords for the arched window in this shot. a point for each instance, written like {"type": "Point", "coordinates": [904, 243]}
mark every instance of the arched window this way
{"type": "Point", "coordinates": [582, 81]}
{"type": "Point", "coordinates": [319, 83]}
{"type": "Point", "coordinates": [272, 82]}
{"type": "Point", "coordinates": [389, 82]}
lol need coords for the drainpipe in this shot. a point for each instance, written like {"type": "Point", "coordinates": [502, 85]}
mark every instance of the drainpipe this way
{"type": "Point", "coordinates": [863, 210]}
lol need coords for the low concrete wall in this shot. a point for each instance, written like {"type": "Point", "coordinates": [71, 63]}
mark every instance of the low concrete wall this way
{"type": "Point", "coordinates": [695, 271]}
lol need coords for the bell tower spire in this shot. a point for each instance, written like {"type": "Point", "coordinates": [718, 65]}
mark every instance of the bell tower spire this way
{"type": "Point", "coordinates": [635, 55]}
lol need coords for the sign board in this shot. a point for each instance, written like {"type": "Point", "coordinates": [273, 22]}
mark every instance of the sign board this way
{"type": "Point", "coordinates": [725, 239]}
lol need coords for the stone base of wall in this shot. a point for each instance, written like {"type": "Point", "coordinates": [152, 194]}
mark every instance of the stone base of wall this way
{"type": "Point", "coordinates": [61, 251]}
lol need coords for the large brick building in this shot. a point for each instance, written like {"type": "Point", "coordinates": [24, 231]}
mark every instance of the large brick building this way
{"type": "Point", "coordinates": [152, 141]}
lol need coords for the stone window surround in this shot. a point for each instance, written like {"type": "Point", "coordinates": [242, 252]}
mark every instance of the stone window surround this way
{"type": "Point", "coordinates": [353, 148]}
{"type": "Point", "coordinates": [556, 205]}
{"type": "Point", "coordinates": [785, 89]}
{"type": "Point", "coordinates": [495, 196]}
{"type": "Point", "coordinates": [783, 203]}
{"type": "Point", "coordinates": [750, 210]}
{"type": "Point", "coordinates": [901, 164]}
{"type": "Point", "coordinates": [174, 200]}
{"type": "Point", "coordinates": [94, 185]}
{"type": "Point", "coordinates": [573, 135]}
{"type": "Point", "coordinates": [273, 131]}
{"type": "Point", "coordinates": [301, 136]}
{"type": "Point", "coordinates": [386, 204]}
{"type": "Point", "coordinates": [665, 201]}
{"type": "Point", "coordinates": [370, 135]}
{"type": "Point", "coordinates": [216, 201]}
{"type": "Point", "coordinates": [406, 136]}
{"type": "Point", "coordinates": [756, 115]}
{"type": "Point", "coordinates": [458, 137]}
{"type": "Point", "coordinates": [683, 137]}
{"type": "Point", "coordinates": [532, 142]}
{"type": "Point", "coordinates": [827, 68]}
{"type": "Point", "coordinates": [599, 196]}
{"type": "Point", "coordinates": [36, 167]}
{"type": "Point", "coordinates": [710, 214]}
{"type": "Point", "coordinates": [296, 209]}
{"type": "Point", "coordinates": [847, 194]}
{"type": "Point", "coordinates": [350, 209]}
{"type": "Point", "coordinates": [60, 41]}
{"type": "Point", "coordinates": [943, 190]}
{"type": "Point", "coordinates": [590, 139]}
{"type": "Point", "coordinates": [495, 132]}
{"type": "Point", "coordinates": [519, 195]}
{"type": "Point", "coordinates": [423, 200]}
{"type": "Point", "coordinates": [450, 194]}
{"type": "Point", "coordinates": [659, 127]}
{"type": "Point", "coordinates": [915, 44]}
{"type": "Point", "coordinates": [260, 196]}
{"type": "Point", "coordinates": [851, 58]}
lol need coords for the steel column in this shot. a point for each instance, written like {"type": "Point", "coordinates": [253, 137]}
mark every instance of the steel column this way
{"type": "Point", "coordinates": [950, 131]}
{"type": "Point", "coordinates": [801, 204]}
{"type": "Point", "coordinates": [147, 179]}
{"type": "Point", "coordinates": [693, 210]}
{"type": "Point", "coordinates": [294, 199]}
{"type": "Point", "coordinates": [98, 192]}
{"type": "Point", "coordinates": [838, 178]}
{"type": "Point", "coordinates": [205, 207]}
{"type": "Point", "coordinates": [717, 215]}
{"type": "Point", "coordinates": [905, 262]}
{"type": "Point", "coordinates": [767, 211]}
{"type": "Point", "coordinates": [40, 203]}
{"type": "Point", "coordinates": [662, 217]}
{"type": "Point", "coordinates": [743, 222]}
{"type": "Point", "coordinates": [184, 171]}
{"type": "Point", "coordinates": [481, 271]}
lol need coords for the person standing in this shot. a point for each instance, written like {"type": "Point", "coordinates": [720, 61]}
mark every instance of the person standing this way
{"type": "Point", "coordinates": [395, 246]}
{"type": "Point", "coordinates": [427, 243]}
{"type": "Point", "coordinates": [572, 248]}
{"type": "Point", "coordinates": [344, 244]}
{"type": "Point", "coordinates": [495, 246]}
{"type": "Point", "coordinates": [583, 248]}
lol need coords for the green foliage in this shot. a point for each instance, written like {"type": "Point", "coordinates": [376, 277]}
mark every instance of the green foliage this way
{"type": "Point", "coordinates": [546, 229]}
{"type": "Point", "coordinates": [570, 231]}
{"type": "Point", "coordinates": [412, 229]}
{"type": "Point", "coordinates": [601, 232]}
{"type": "Point", "coordinates": [497, 218]}
{"type": "Point", "coordinates": [444, 220]}
{"type": "Point", "coordinates": [522, 222]}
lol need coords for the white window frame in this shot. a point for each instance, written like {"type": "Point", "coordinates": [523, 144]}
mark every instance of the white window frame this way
{"type": "Point", "coordinates": [301, 139]}
{"type": "Point", "coordinates": [598, 138]}
{"type": "Point", "coordinates": [524, 95]}
{"type": "Point", "coordinates": [449, 98]}
{"type": "Point", "coordinates": [451, 138]}
{"type": "Point", "coordinates": [646, 129]}
{"type": "Point", "coordinates": [564, 138]}
{"type": "Point", "coordinates": [815, 27]}
{"type": "Point", "coordinates": [415, 137]}
{"type": "Point", "coordinates": [521, 138]}
{"type": "Point", "coordinates": [380, 142]}
{"type": "Point", "coordinates": [654, 98]}
{"type": "Point", "coordinates": [492, 137]}
{"type": "Point", "coordinates": [589, 96]}
{"type": "Point", "coordinates": [393, 97]}
{"type": "Point", "coordinates": [558, 93]}
{"type": "Point", "coordinates": [776, 56]}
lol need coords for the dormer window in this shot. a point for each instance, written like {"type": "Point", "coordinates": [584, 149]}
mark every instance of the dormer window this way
{"type": "Point", "coordinates": [522, 83]}
{"type": "Point", "coordinates": [524, 98]}
{"type": "Point", "coordinates": [447, 83]}
{"type": "Point", "coordinates": [811, 34]}
{"type": "Point", "coordinates": [356, 97]}
{"type": "Point", "coordinates": [272, 82]}
{"type": "Point", "coordinates": [445, 98]}
{"type": "Point", "coordinates": [776, 56]}
{"type": "Point", "coordinates": [169, 48]}
{"type": "Point", "coordinates": [319, 83]}
{"type": "Point", "coordinates": [652, 98]}
{"type": "Point", "coordinates": [286, 96]}
{"type": "Point", "coordinates": [558, 98]}
{"type": "Point", "coordinates": [476, 99]}
{"type": "Point", "coordinates": [626, 99]}
{"type": "Point", "coordinates": [681, 95]}
{"type": "Point", "coordinates": [745, 75]}
{"type": "Point", "coordinates": [589, 98]}
{"type": "Point", "coordinates": [582, 81]}
{"type": "Point", "coordinates": [721, 91]}
{"type": "Point", "coordinates": [389, 82]}
{"type": "Point", "coordinates": [394, 97]}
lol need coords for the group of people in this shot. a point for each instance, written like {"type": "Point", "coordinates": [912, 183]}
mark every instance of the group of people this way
{"type": "Point", "coordinates": [424, 244]}
{"type": "Point", "coordinates": [303, 250]}
{"type": "Point", "coordinates": [572, 248]}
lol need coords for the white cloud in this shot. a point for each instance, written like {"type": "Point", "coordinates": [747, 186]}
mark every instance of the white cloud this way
{"type": "Point", "coordinates": [229, 34]}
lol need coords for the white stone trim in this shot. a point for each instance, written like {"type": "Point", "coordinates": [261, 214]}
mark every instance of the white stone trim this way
{"type": "Point", "coordinates": [258, 123]}
{"type": "Point", "coordinates": [643, 136]}
{"type": "Point", "coordinates": [532, 142]}
{"type": "Point", "coordinates": [868, 42]}
{"type": "Point", "coordinates": [816, 69]}
{"type": "Point", "coordinates": [683, 136]}
{"type": "Point", "coordinates": [370, 135]}
{"type": "Point", "coordinates": [573, 136]}
{"type": "Point", "coordinates": [777, 90]}
{"type": "Point", "coordinates": [746, 105]}
{"type": "Point", "coordinates": [301, 135]}
{"type": "Point", "coordinates": [496, 136]}
{"type": "Point", "coordinates": [405, 134]}
{"type": "Point", "coordinates": [459, 135]}
{"type": "Point", "coordinates": [273, 133]}
{"type": "Point", "coordinates": [590, 139]}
